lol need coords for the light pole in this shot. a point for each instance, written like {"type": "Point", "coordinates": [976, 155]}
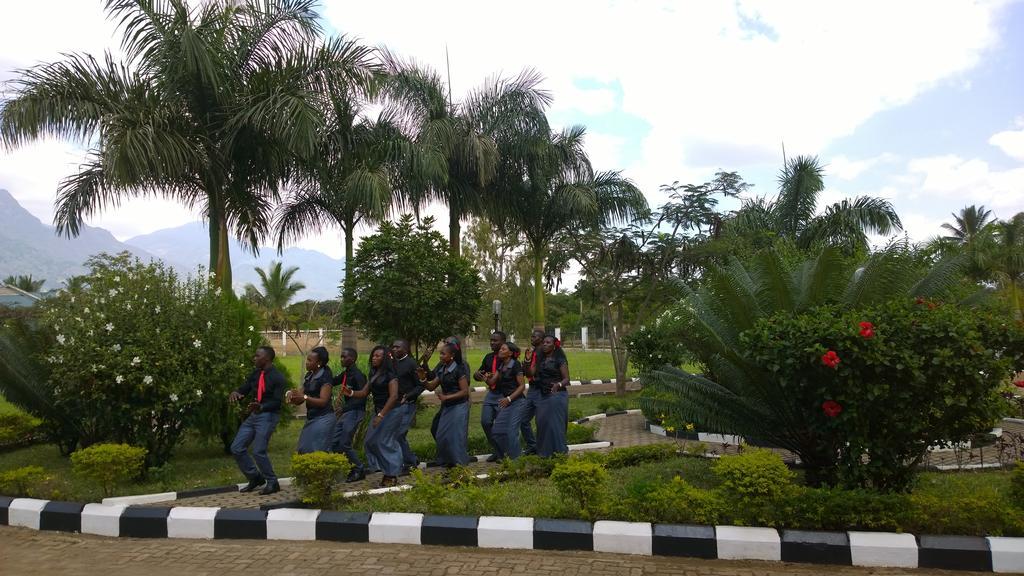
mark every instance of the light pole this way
{"type": "Point", "coordinates": [496, 308]}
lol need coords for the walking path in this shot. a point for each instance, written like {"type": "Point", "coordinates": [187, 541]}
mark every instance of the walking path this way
{"type": "Point", "coordinates": [26, 551]}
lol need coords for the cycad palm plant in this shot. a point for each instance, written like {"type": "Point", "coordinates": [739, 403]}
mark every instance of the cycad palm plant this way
{"type": "Point", "coordinates": [209, 107]}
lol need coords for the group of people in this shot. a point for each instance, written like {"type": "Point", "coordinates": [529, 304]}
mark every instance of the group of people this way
{"type": "Point", "coordinates": [394, 380]}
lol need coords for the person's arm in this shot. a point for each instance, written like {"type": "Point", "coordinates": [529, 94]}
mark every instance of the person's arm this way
{"type": "Point", "coordinates": [462, 393]}
{"type": "Point", "coordinates": [272, 401]}
{"type": "Point", "coordinates": [517, 372]}
{"type": "Point", "coordinates": [432, 384]}
{"type": "Point", "coordinates": [494, 378]}
{"type": "Point", "coordinates": [564, 383]}
{"type": "Point", "coordinates": [392, 400]}
{"type": "Point", "coordinates": [242, 391]}
{"type": "Point", "coordinates": [479, 375]}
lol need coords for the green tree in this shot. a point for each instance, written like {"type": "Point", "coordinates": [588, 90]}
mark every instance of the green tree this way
{"type": "Point", "coordinates": [406, 284]}
{"type": "Point", "coordinates": [26, 283]}
{"type": "Point", "coordinates": [548, 188]}
{"type": "Point", "coordinates": [971, 222]}
{"type": "Point", "coordinates": [209, 107]}
{"type": "Point", "coordinates": [793, 213]}
{"type": "Point", "coordinates": [468, 133]}
{"type": "Point", "coordinates": [275, 292]}
{"type": "Point", "coordinates": [1003, 254]}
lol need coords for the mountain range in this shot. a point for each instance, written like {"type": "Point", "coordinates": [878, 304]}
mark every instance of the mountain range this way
{"type": "Point", "coordinates": [28, 246]}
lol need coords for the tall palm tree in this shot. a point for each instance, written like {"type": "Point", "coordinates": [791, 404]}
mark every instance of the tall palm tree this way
{"type": "Point", "coordinates": [548, 187]}
{"type": "Point", "coordinates": [26, 283]}
{"type": "Point", "coordinates": [1003, 254]}
{"type": "Point", "coordinates": [968, 224]}
{"type": "Point", "coordinates": [793, 213]}
{"type": "Point", "coordinates": [354, 177]}
{"type": "Point", "coordinates": [466, 132]}
{"type": "Point", "coordinates": [275, 291]}
{"type": "Point", "coordinates": [209, 106]}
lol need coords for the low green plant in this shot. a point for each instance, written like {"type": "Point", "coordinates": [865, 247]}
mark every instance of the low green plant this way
{"type": "Point", "coordinates": [582, 481]}
{"type": "Point", "coordinates": [109, 464]}
{"type": "Point", "coordinates": [676, 501]}
{"type": "Point", "coordinates": [1017, 486]}
{"type": "Point", "coordinates": [579, 433]}
{"type": "Point", "coordinates": [636, 455]}
{"type": "Point", "coordinates": [754, 476]}
{"type": "Point", "coordinates": [17, 427]}
{"type": "Point", "coordinates": [316, 475]}
{"type": "Point", "coordinates": [24, 481]}
{"type": "Point", "coordinates": [528, 467]}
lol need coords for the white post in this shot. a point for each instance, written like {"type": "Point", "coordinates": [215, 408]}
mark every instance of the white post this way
{"type": "Point", "coordinates": [583, 336]}
{"type": "Point", "coordinates": [320, 342]}
{"type": "Point", "coordinates": [284, 343]}
{"type": "Point", "coordinates": [512, 338]}
{"type": "Point", "coordinates": [558, 333]}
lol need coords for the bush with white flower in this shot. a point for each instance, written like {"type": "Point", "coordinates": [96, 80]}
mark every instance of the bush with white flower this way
{"type": "Point", "coordinates": [141, 355]}
{"type": "Point", "coordinates": [657, 343]}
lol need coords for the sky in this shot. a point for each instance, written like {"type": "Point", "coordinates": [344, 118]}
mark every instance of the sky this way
{"type": "Point", "coordinates": [919, 102]}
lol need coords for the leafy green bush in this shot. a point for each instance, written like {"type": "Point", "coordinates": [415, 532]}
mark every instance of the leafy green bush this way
{"type": "Point", "coordinates": [580, 433]}
{"type": "Point", "coordinates": [140, 355]}
{"type": "Point", "coordinates": [1017, 485]}
{"type": "Point", "coordinates": [753, 476]}
{"type": "Point", "coordinates": [632, 455]}
{"type": "Point", "coordinates": [17, 427]}
{"type": "Point", "coordinates": [581, 481]}
{"type": "Point", "coordinates": [25, 481]}
{"type": "Point", "coordinates": [109, 464]}
{"type": "Point", "coordinates": [527, 467]}
{"type": "Point", "coordinates": [316, 475]}
{"type": "Point", "coordinates": [657, 344]}
{"type": "Point", "coordinates": [676, 501]}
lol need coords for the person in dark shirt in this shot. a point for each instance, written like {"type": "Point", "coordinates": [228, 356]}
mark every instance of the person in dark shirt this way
{"type": "Point", "coordinates": [451, 381]}
{"type": "Point", "coordinates": [532, 393]}
{"type": "Point", "coordinates": [349, 412]}
{"type": "Point", "coordinates": [509, 383]}
{"type": "Point", "coordinates": [267, 385]}
{"type": "Point", "coordinates": [552, 378]}
{"type": "Point", "coordinates": [488, 411]}
{"type": "Point", "coordinates": [316, 395]}
{"type": "Point", "coordinates": [381, 444]}
{"type": "Point", "coordinates": [409, 388]}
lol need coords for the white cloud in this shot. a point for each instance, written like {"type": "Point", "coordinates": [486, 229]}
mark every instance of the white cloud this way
{"type": "Point", "coordinates": [1010, 142]}
{"type": "Point", "coordinates": [847, 169]}
{"type": "Point", "coordinates": [966, 181]}
{"type": "Point", "coordinates": [605, 150]}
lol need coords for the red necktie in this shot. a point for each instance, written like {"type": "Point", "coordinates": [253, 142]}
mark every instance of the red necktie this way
{"type": "Point", "coordinates": [494, 368]}
{"type": "Point", "coordinates": [344, 379]}
{"type": "Point", "coordinates": [533, 364]}
{"type": "Point", "coordinates": [260, 388]}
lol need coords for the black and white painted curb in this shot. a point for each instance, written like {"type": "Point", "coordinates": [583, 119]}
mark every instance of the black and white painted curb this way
{"type": "Point", "coordinates": [874, 549]}
{"type": "Point", "coordinates": [572, 383]}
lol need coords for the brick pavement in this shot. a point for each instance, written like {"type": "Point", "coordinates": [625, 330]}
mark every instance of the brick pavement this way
{"type": "Point", "coordinates": [24, 552]}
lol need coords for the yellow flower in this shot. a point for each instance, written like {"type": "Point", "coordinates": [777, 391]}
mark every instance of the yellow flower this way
{"type": "Point", "coordinates": [689, 426]}
{"type": "Point", "coordinates": [669, 429]}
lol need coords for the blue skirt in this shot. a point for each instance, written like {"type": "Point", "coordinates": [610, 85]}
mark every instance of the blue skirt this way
{"type": "Point", "coordinates": [344, 432]}
{"type": "Point", "coordinates": [552, 422]}
{"type": "Point", "coordinates": [316, 434]}
{"type": "Point", "coordinates": [451, 434]}
{"type": "Point", "coordinates": [505, 428]}
{"type": "Point", "coordinates": [381, 445]}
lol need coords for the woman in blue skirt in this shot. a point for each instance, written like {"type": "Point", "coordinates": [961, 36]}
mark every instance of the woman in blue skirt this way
{"type": "Point", "coordinates": [509, 383]}
{"type": "Point", "coordinates": [551, 375]}
{"type": "Point", "coordinates": [316, 395]}
{"type": "Point", "coordinates": [381, 445]}
{"type": "Point", "coordinates": [451, 422]}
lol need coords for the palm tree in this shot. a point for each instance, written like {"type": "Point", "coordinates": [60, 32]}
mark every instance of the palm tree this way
{"type": "Point", "coordinates": [792, 214]}
{"type": "Point", "coordinates": [209, 107]}
{"type": "Point", "coordinates": [275, 292]}
{"type": "Point", "coordinates": [468, 133]}
{"type": "Point", "coordinates": [1003, 253]}
{"type": "Point", "coordinates": [548, 187]}
{"type": "Point", "coordinates": [25, 283]}
{"type": "Point", "coordinates": [354, 177]}
{"type": "Point", "coordinates": [971, 222]}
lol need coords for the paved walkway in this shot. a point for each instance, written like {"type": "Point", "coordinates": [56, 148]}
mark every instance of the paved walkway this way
{"type": "Point", "coordinates": [26, 551]}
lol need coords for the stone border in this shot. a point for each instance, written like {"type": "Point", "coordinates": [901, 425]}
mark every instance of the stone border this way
{"type": "Point", "coordinates": [871, 549]}
{"type": "Point", "coordinates": [572, 383]}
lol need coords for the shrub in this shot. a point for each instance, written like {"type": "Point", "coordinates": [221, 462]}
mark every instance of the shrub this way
{"type": "Point", "coordinates": [24, 481]}
{"type": "Point", "coordinates": [1017, 485]}
{"type": "Point", "coordinates": [676, 501]}
{"type": "Point", "coordinates": [17, 427]}
{"type": "Point", "coordinates": [633, 455]}
{"type": "Point", "coordinates": [580, 433]}
{"type": "Point", "coordinates": [754, 476]}
{"type": "Point", "coordinates": [527, 467]}
{"type": "Point", "coordinates": [109, 464]}
{"type": "Point", "coordinates": [657, 344]}
{"type": "Point", "coordinates": [581, 481]}
{"type": "Point", "coordinates": [317, 473]}
{"type": "Point", "coordinates": [140, 355]}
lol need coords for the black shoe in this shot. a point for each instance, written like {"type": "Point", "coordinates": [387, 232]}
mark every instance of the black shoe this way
{"type": "Point", "coordinates": [530, 452]}
{"type": "Point", "coordinates": [270, 489]}
{"type": "Point", "coordinates": [388, 481]}
{"type": "Point", "coordinates": [492, 458]}
{"type": "Point", "coordinates": [355, 476]}
{"type": "Point", "coordinates": [253, 484]}
{"type": "Point", "coordinates": [406, 470]}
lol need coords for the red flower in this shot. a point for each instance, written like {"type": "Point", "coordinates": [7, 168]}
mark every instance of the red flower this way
{"type": "Point", "coordinates": [867, 330]}
{"type": "Point", "coordinates": [919, 300]}
{"type": "Point", "coordinates": [831, 408]}
{"type": "Point", "coordinates": [1019, 383]}
{"type": "Point", "coordinates": [830, 359]}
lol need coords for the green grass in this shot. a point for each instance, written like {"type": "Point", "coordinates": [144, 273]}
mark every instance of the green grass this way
{"type": "Point", "coordinates": [199, 464]}
{"type": "Point", "coordinates": [590, 365]}
{"type": "Point", "coordinates": [7, 408]}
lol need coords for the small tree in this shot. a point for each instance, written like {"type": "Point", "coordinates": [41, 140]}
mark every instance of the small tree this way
{"type": "Point", "coordinates": [26, 283]}
{"type": "Point", "coordinates": [407, 285]}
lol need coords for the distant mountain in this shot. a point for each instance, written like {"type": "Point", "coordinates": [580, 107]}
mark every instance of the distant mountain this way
{"type": "Point", "coordinates": [27, 246]}
{"type": "Point", "coordinates": [188, 246]}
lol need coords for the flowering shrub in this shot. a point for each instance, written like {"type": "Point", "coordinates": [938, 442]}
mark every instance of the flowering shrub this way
{"type": "Point", "coordinates": [873, 388]}
{"type": "Point", "coordinates": [140, 355]}
{"type": "Point", "coordinates": [657, 344]}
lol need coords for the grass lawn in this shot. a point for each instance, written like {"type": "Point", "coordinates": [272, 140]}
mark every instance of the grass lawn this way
{"type": "Point", "coordinates": [199, 465]}
{"type": "Point", "coordinates": [590, 365]}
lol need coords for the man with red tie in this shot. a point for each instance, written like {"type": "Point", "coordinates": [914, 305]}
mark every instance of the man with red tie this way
{"type": "Point", "coordinates": [268, 385]}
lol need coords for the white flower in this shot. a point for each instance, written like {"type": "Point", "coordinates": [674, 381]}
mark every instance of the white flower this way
{"type": "Point", "coordinates": [103, 300]}
{"type": "Point", "coordinates": [199, 393]}
{"type": "Point", "coordinates": [116, 347]}
{"type": "Point", "coordinates": [51, 359]}
{"type": "Point", "coordinates": [157, 330]}
{"type": "Point", "coordinates": [112, 292]}
{"type": "Point", "coordinates": [217, 291]}
{"type": "Point", "coordinates": [86, 310]}
{"type": "Point", "coordinates": [117, 278]}
{"type": "Point", "coordinates": [197, 343]}
{"type": "Point", "coordinates": [79, 319]}
{"type": "Point", "coordinates": [191, 312]}
{"type": "Point", "coordinates": [72, 299]}
{"type": "Point", "coordinates": [109, 327]}
{"type": "Point", "coordinates": [173, 397]}
{"type": "Point", "coordinates": [136, 361]}
{"type": "Point", "coordinates": [251, 328]}
{"type": "Point", "coordinates": [128, 306]}
{"type": "Point", "coordinates": [212, 274]}
{"type": "Point", "coordinates": [119, 379]}
{"type": "Point", "coordinates": [248, 342]}
{"type": "Point", "coordinates": [60, 338]}
{"type": "Point", "coordinates": [89, 333]}
{"type": "Point", "coordinates": [209, 324]}
{"type": "Point", "coordinates": [147, 380]}
{"type": "Point", "coordinates": [156, 310]}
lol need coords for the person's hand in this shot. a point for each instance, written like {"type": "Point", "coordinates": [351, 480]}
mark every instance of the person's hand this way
{"type": "Point", "coordinates": [377, 420]}
{"type": "Point", "coordinates": [234, 396]}
{"type": "Point", "coordinates": [253, 407]}
{"type": "Point", "coordinates": [479, 375]}
{"type": "Point", "coordinates": [504, 402]}
{"type": "Point", "coordinates": [421, 373]}
{"type": "Point", "coordinates": [440, 395]}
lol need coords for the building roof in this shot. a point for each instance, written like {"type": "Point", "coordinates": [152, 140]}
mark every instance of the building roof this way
{"type": "Point", "coordinates": [14, 298]}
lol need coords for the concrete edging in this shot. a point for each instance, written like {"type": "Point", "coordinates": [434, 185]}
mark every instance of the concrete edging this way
{"type": "Point", "coordinates": [871, 549]}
